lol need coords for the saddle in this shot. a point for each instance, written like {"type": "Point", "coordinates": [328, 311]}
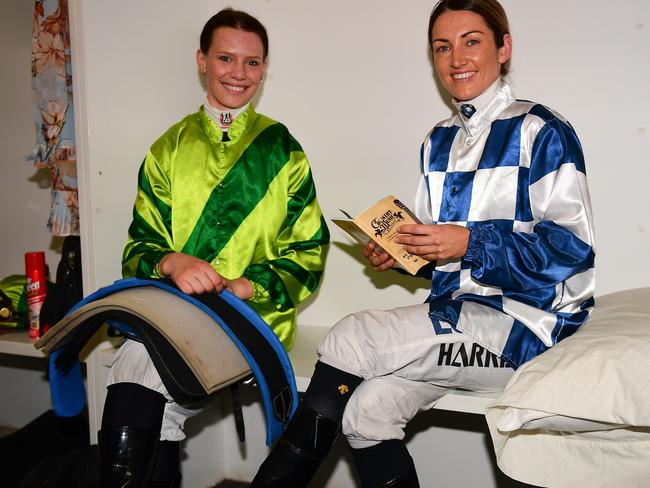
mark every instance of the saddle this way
{"type": "Point", "coordinates": [199, 344]}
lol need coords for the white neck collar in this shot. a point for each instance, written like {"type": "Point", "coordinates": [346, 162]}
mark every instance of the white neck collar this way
{"type": "Point", "coordinates": [218, 115]}
{"type": "Point", "coordinates": [482, 100]}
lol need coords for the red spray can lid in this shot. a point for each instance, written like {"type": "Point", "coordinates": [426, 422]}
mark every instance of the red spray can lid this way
{"type": "Point", "coordinates": [34, 260]}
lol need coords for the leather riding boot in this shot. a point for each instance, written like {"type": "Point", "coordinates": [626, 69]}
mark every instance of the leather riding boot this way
{"type": "Point", "coordinates": [125, 456]}
{"type": "Point", "coordinates": [129, 437]}
{"type": "Point", "coordinates": [385, 465]}
{"type": "Point", "coordinates": [167, 467]}
{"type": "Point", "coordinates": [298, 454]}
{"type": "Point", "coordinates": [407, 480]}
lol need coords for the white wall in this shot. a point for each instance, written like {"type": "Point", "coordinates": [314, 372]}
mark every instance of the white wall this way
{"type": "Point", "coordinates": [353, 82]}
{"type": "Point", "coordinates": [24, 191]}
{"type": "Point", "coordinates": [24, 203]}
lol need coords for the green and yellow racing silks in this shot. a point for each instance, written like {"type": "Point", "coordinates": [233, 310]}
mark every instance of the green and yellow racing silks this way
{"type": "Point", "coordinates": [247, 206]}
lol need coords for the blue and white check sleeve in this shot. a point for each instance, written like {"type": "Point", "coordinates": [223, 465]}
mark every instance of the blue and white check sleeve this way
{"type": "Point", "coordinates": [559, 244]}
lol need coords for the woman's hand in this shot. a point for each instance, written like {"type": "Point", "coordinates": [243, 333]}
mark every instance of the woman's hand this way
{"type": "Point", "coordinates": [241, 288]}
{"type": "Point", "coordinates": [193, 276]}
{"type": "Point", "coordinates": [434, 241]}
{"type": "Point", "coordinates": [379, 259]}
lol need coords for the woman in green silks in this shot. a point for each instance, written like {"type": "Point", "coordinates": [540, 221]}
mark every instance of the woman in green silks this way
{"type": "Point", "coordinates": [225, 201]}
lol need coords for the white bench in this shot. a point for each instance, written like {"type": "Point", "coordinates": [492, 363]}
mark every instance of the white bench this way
{"type": "Point", "coordinates": [303, 358]}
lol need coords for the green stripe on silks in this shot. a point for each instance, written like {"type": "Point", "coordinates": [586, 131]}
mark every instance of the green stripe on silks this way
{"type": "Point", "coordinates": [272, 283]}
{"type": "Point", "coordinates": [148, 260]}
{"type": "Point", "coordinates": [164, 210]}
{"type": "Point", "coordinates": [268, 278]}
{"type": "Point", "coordinates": [300, 200]}
{"type": "Point", "coordinates": [309, 279]}
{"type": "Point", "coordinates": [320, 238]}
{"type": "Point", "coordinates": [208, 239]}
{"type": "Point", "coordinates": [146, 255]}
{"type": "Point", "coordinates": [140, 229]}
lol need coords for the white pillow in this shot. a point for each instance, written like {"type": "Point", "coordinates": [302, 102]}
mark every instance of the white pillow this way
{"type": "Point", "coordinates": [579, 414]}
{"type": "Point", "coordinates": [600, 375]}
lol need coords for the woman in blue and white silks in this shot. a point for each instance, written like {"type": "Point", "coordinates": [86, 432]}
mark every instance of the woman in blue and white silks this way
{"type": "Point", "coordinates": [508, 228]}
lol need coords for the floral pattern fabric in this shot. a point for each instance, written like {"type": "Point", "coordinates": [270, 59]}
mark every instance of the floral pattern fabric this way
{"type": "Point", "coordinates": [53, 112]}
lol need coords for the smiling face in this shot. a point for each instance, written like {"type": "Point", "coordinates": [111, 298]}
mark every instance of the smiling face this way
{"type": "Point", "coordinates": [465, 54]}
{"type": "Point", "coordinates": [234, 65]}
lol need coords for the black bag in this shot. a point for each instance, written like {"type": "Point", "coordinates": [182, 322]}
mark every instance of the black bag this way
{"type": "Point", "coordinates": [68, 287]}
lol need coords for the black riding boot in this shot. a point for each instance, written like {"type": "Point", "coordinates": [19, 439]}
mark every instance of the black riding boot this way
{"type": "Point", "coordinates": [129, 436]}
{"type": "Point", "coordinates": [125, 457]}
{"type": "Point", "coordinates": [385, 465]}
{"type": "Point", "coordinates": [311, 433]}
{"type": "Point", "coordinates": [298, 454]}
{"type": "Point", "coordinates": [166, 469]}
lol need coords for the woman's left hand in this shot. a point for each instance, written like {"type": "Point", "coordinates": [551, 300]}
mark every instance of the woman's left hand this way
{"type": "Point", "coordinates": [378, 258]}
{"type": "Point", "coordinates": [434, 241]}
{"type": "Point", "coordinates": [240, 287]}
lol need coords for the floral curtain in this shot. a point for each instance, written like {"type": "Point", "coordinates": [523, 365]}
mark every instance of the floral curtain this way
{"type": "Point", "coordinates": [53, 112]}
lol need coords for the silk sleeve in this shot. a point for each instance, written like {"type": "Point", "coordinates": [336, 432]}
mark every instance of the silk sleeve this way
{"type": "Point", "coordinates": [302, 243]}
{"type": "Point", "coordinates": [560, 242]}
{"type": "Point", "coordinates": [149, 236]}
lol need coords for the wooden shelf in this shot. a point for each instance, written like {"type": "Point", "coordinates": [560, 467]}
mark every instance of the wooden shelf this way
{"type": "Point", "coordinates": [17, 342]}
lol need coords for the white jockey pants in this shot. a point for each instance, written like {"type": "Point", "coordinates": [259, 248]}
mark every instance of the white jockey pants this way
{"type": "Point", "coordinates": [406, 366]}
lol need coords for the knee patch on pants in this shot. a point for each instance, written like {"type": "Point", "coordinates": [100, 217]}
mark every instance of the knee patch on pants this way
{"type": "Point", "coordinates": [379, 410]}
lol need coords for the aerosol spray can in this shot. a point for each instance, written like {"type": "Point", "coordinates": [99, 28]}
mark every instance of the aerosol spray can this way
{"type": "Point", "coordinates": [36, 285]}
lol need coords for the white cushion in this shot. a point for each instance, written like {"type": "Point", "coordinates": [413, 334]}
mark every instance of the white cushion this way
{"type": "Point", "coordinates": [584, 400]}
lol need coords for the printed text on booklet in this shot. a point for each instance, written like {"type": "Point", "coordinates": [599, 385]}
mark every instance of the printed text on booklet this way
{"type": "Point", "coordinates": [379, 223]}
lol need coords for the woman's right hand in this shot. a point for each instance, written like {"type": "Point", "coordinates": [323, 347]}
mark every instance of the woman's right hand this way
{"type": "Point", "coordinates": [191, 275]}
{"type": "Point", "coordinates": [379, 259]}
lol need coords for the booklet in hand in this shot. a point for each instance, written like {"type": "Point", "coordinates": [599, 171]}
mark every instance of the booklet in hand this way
{"type": "Point", "coordinates": [379, 224]}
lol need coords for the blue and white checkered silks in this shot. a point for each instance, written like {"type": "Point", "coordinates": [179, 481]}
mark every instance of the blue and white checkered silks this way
{"type": "Point", "coordinates": [514, 174]}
